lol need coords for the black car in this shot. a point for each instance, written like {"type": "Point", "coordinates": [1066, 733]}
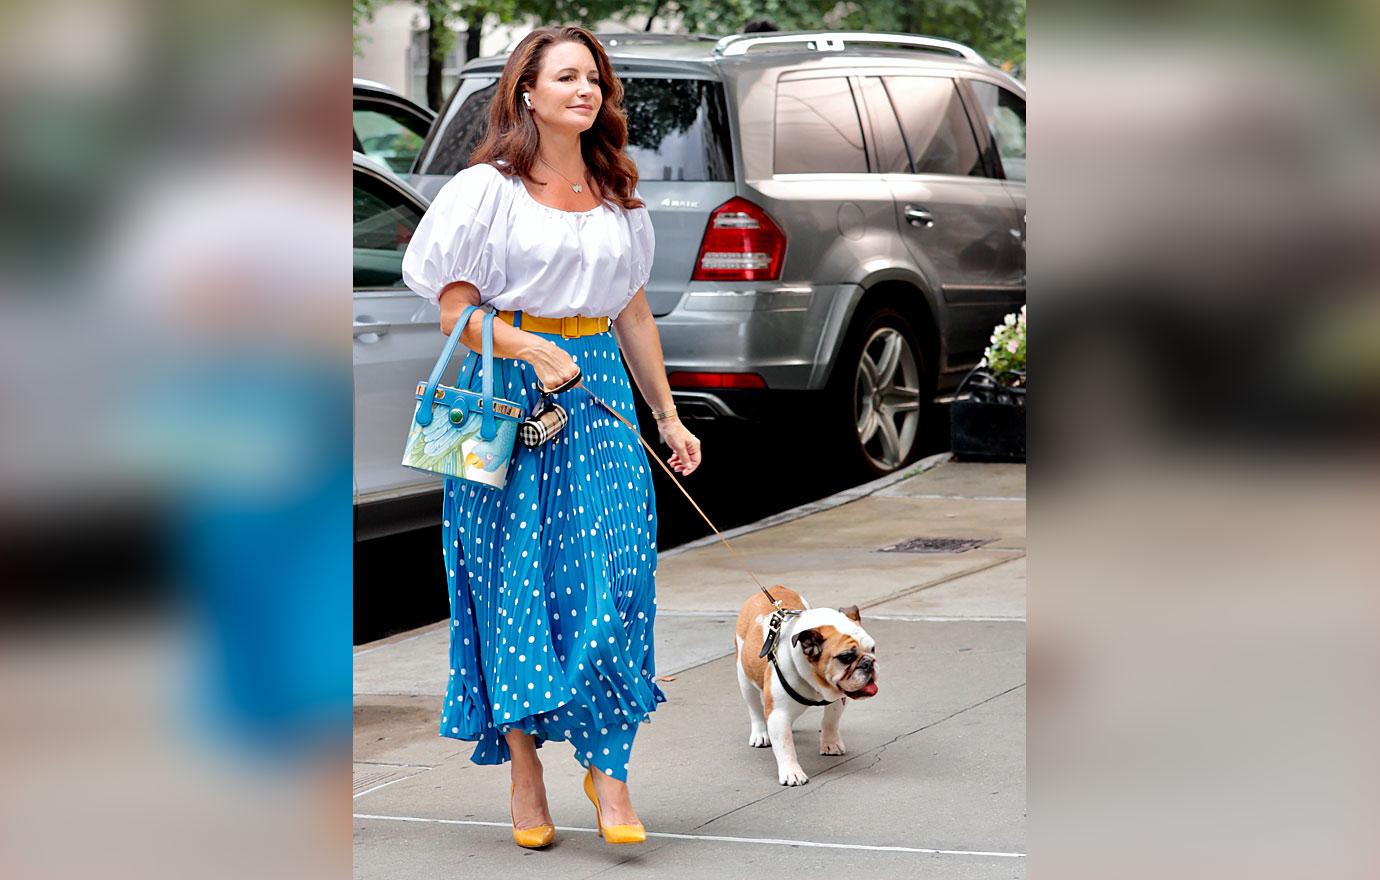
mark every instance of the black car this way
{"type": "Point", "coordinates": [388, 127]}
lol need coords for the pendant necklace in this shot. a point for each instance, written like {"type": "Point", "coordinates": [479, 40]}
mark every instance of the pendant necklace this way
{"type": "Point", "coordinates": [574, 186]}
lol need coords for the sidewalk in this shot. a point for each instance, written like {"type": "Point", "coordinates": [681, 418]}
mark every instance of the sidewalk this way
{"type": "Point", "coordinates": [933, 782]}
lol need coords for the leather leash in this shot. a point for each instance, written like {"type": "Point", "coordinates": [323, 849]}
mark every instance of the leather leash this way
{"type": "Point", "coordinates": [657, 458]}
{"type": "Point", "coordinates": [778, 616]}
{"type": "Point", "coordinates": [780, 611]}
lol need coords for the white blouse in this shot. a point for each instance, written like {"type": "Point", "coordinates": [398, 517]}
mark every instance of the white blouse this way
{"type": "Point", "coordinates": [486, 228]}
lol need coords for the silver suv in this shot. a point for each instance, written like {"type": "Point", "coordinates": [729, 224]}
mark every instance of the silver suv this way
{"type": "Point", "coordinates": [840, 220]}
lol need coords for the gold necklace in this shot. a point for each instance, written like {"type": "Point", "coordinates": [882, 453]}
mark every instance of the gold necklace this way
{"type": "Point", "coordinates": [573, 185]}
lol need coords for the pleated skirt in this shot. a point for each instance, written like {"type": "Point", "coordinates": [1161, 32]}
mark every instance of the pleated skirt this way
{"type": "Point", "coordinates": [552, 578]}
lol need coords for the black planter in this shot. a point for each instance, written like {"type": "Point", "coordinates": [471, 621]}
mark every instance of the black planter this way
{"type": "Point", "coordinates": [987, 420]}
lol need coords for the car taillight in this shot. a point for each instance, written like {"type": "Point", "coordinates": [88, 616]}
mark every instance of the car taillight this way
{"type": "Point", "coordinates": [741, 243]}
{"type": "Point", "coordinates": [682, 379]}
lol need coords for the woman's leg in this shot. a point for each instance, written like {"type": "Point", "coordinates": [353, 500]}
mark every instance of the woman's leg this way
{"type": "Point", "coordinates": [608, 756]}
{"type": "Point", "coordinates": [614, 801]}
{"type": "Point", "coordinates": [529, 790]}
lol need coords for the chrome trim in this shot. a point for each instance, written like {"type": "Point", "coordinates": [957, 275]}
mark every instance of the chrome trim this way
{"type": "Point", "coordinates": [713, 401]}
{"type": "Point", "coordinates": [838, 41]}
{"type": "Point", "coordinates": [399, 493]}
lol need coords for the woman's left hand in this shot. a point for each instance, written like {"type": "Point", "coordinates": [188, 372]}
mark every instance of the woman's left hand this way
{"type": "Point", "coordinates": [685, 446]}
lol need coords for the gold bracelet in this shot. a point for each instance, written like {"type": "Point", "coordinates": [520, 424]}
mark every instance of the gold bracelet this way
{"type": "Point", "coordinates": [664, 414]}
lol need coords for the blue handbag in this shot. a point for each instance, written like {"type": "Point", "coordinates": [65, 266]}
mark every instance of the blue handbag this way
{"type": "Point", "coordinates": [460, 433]}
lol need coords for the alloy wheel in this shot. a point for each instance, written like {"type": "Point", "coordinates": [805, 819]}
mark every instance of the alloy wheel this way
{"type": "Point", "coordinates": [886, 399]}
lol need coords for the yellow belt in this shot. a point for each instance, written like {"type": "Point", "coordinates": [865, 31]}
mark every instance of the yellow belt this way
{"type": "Point", "coordinates": [569, 327]}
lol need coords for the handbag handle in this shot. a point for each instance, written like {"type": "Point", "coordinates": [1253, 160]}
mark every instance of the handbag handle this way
{"type": "Point", "coordinates": [489, 427]}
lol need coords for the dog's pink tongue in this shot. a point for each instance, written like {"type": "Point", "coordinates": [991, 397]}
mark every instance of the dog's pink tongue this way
{"type": "Point", "coordinates": [870, 690]}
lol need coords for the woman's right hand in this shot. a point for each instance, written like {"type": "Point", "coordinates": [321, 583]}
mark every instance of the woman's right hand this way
{"type": "Point", "coordinates": [553, 364]}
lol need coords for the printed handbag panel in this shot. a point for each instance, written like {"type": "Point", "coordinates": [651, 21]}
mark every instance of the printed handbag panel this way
{"type": "Point", "coordinates": [458, 450]}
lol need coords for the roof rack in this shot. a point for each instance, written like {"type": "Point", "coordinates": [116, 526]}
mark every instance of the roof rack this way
{"type": "Point", "coordinates": [628, 38]}
{"type": "Point", "coordinates": [837, 41]}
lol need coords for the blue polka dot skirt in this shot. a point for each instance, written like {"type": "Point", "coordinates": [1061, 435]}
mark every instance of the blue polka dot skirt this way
{"type": "Point", "coordinates": [552, 578]}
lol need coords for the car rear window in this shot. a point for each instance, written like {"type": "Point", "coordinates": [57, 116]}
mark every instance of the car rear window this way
{"type": "Point", "coordinates": [677, 128]}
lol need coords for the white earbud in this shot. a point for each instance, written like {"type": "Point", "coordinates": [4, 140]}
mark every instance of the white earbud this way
{"type": "Point", "coordinates": [527, 97]}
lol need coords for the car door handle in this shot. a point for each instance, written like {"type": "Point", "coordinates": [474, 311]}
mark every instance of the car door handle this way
{"type": "Point", "coordinates": [378, 328]}
{"type": "Point", "coordinates": [919, 217]}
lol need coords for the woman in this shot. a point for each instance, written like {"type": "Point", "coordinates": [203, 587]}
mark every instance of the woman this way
{"type": "Point", "coordinates": [552, 577]}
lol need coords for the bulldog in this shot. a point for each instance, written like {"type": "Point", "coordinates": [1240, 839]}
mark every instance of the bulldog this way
{"type": "Point", "coordinates": [824, 656]}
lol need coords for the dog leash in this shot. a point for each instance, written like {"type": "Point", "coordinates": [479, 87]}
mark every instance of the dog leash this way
{"type": "Point", "coordinates": [780, 611]}
{"type": "Point", "coordinates": [778, 616]}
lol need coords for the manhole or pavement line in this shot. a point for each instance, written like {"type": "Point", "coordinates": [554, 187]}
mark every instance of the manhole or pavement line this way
{"type": "Point", "coordinates": [936, 545]}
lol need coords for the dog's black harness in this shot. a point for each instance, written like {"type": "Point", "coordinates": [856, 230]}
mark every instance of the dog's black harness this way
{"type": "Point", "coordinates": [769, 651]}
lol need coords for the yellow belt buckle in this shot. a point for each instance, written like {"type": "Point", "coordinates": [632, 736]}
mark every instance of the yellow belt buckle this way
{"type": "Point", "coordinates": [570, 326]}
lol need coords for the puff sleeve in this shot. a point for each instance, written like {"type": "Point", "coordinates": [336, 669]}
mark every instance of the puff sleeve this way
{"type": "Point", "coordinates": [642, 248]}
{"type": "Point", "coordinates": [463, 236]}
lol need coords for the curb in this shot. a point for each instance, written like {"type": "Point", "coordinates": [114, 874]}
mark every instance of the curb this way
{"type": "Point", "coordinates": [836, 500]}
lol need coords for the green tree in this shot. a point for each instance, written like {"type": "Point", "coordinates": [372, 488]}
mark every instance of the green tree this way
{"type": "Point", "coordinates": [364, 11]}
{"type": "Point", "coordinates": [996, 28]}
{"type": "Point", "coordinates": [447, 19]}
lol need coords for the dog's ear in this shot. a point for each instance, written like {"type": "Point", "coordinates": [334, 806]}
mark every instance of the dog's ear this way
{"type": "Point", "coordinates": [851, 612]}
{"type": "Point", "coordinates": [810, 641]}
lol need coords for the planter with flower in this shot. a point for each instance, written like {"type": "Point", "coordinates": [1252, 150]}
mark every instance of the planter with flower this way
{"type": "Point", "coordinates": [987, 417]}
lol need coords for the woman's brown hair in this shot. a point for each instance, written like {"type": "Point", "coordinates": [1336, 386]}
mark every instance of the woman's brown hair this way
{"type": "Point", "coordinates": [512, 134]}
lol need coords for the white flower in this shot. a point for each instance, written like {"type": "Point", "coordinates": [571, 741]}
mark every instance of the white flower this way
{"type": "Point", "coordinates": [1012, 346]}
{"type": "Point", "coordinates": [983, 362]}
{"type": "Point", "coordinates": [1010, 320]}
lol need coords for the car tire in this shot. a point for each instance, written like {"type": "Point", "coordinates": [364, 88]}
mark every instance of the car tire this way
{"type": "Point", "coordinates": [859, 409]}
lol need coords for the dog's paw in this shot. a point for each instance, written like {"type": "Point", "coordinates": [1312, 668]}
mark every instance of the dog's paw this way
{"type": "Point", "coordinates": [759, 739]}
{"type": "Point", "coordinates": [832, 747]}
{"type": "Point", "coordinates": [792, 776]}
